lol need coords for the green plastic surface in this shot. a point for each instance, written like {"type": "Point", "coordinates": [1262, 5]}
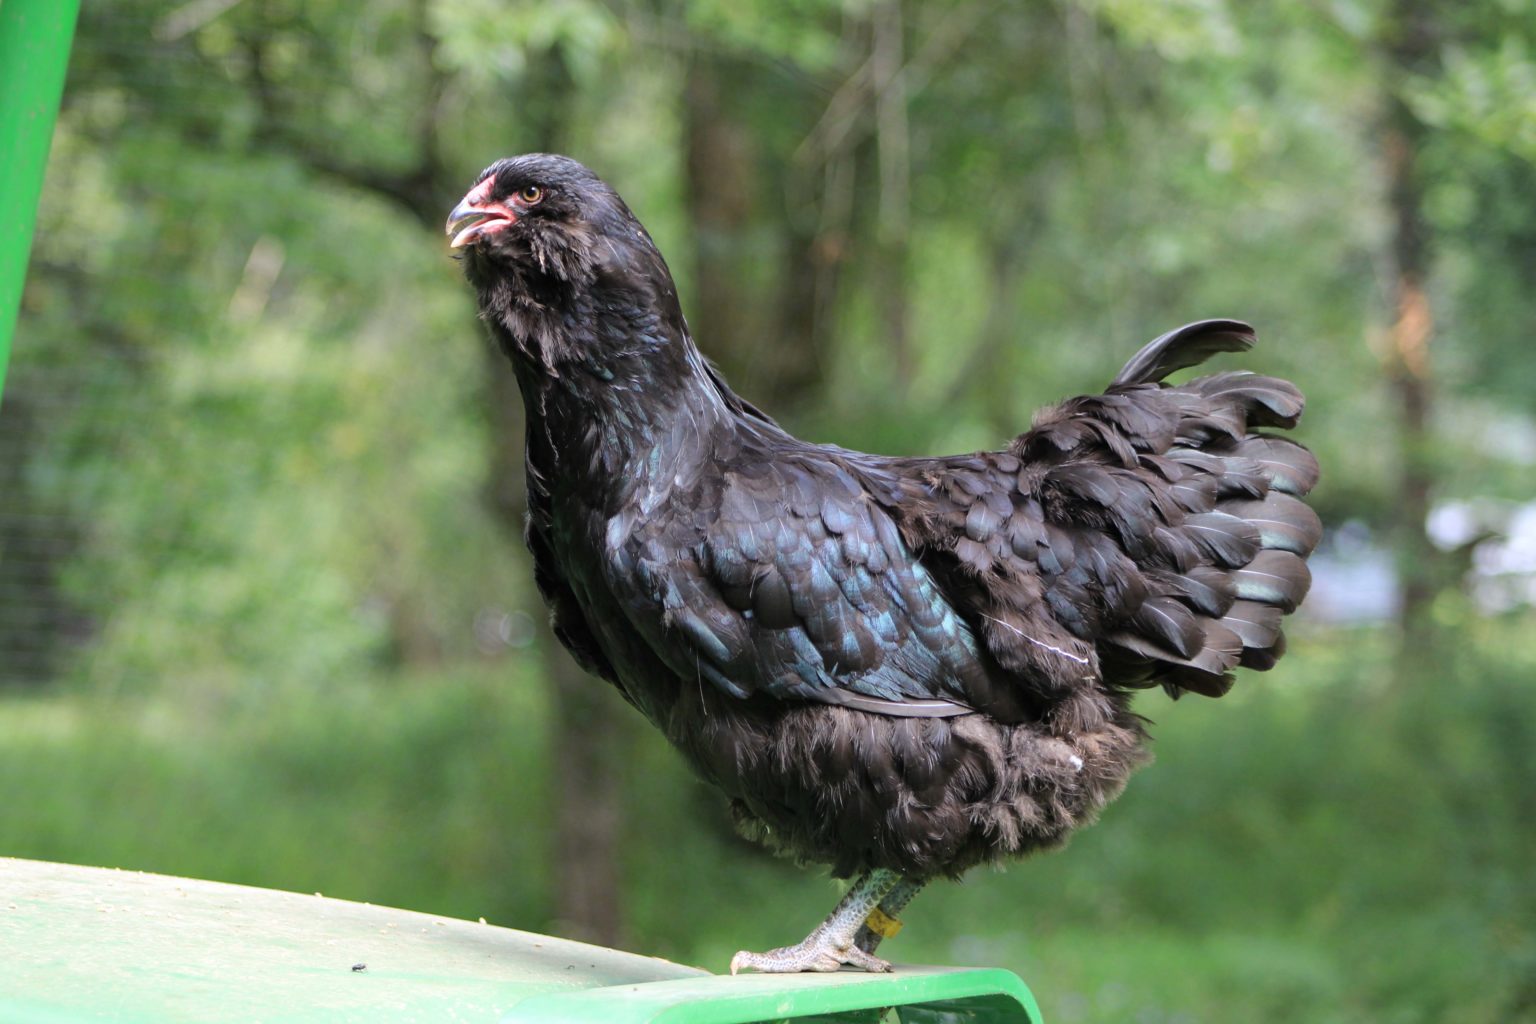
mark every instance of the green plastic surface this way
{"type": "Point", "coordinates": [34, 52]}
{"type": "Point", "coordinates": [85, 944]}
{"type": "Point", "coordinates": [922, 994]}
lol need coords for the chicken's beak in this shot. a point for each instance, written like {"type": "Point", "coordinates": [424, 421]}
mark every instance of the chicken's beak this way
{"type": "Point", "coordinates": [490, 217]}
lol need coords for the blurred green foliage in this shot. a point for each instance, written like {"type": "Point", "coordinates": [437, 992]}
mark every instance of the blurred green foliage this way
{"type": "Point", "coordinates": [253, 430]}
{"type": "Point", "coordinates": [1311, 844]}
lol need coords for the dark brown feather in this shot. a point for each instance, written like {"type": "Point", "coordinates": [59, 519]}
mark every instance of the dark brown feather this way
{"type": "Point", "coordinates": [914, 664]}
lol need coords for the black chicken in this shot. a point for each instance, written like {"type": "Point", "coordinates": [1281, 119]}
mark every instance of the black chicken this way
{"type": "Point", "coordinates": [901, 667]}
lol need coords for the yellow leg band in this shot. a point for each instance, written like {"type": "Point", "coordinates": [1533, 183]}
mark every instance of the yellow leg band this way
{"type": "Point", "coordinates": [882, 924]}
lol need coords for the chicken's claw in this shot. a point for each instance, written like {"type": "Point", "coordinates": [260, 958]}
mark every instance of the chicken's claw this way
{"type": "Point", "coordinates": [816, 953]}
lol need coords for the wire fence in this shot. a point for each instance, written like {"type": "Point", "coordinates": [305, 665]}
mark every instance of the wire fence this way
{"type": "Point", "coordinates": [39, 624]}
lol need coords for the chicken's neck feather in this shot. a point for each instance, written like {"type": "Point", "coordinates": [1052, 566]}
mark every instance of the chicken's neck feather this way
{"type": "Point", "coordinates": [620, 404]}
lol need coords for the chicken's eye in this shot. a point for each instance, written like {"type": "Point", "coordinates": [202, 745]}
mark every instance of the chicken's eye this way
{"type": "Point", "coordinates": [532, 194]}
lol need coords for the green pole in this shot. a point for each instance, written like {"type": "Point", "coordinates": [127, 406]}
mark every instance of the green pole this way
{"type": "Point", "coordinates": [34, 52]}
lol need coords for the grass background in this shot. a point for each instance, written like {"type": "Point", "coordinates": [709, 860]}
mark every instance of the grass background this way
{"type": "Point", "coordinates": [1329, 842]}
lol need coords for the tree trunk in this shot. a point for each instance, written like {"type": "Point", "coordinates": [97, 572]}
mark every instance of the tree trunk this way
{"type": "Point", "coordinates": [720, 166]}
{"type": "Point", "coordinates": [737, 214]}
{"type": "Point", "coordinates": [1410, 45]}
{"type": "Point", "coordinates": [590, 730]}
{"type": "Point", "coordinates": [807, 300]}
{"type": "Point", "coordinates": [999, 331]}
{"type": "Point", "coordinates": [591, 749]}
{"type": "Point", "coordinates": [589, 733]}
{"type": "Point", "coordinates": [893, 223]}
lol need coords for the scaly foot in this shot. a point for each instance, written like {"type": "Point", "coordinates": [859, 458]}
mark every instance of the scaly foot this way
{"type": "Point", "coordinates": [833, 944]}
{"type": "Point", "coordinates": [819, 952]}
{"type": "Point", "coordinates": [895, 901]}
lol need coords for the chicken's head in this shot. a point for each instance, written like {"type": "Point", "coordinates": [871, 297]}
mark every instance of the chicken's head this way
{"type": "Point", "coordinates": [541, 210]}
{"type": "Point", "coordinates": [560, 263]}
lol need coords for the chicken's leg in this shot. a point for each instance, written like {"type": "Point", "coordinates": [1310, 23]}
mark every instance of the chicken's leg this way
{"type": "Point", "coordinates": [891, 907]}
{"type": "Point", "coordinates": [831, 944]}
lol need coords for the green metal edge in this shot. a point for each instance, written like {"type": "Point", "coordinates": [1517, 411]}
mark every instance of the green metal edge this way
{"type": "Point", "coordinates": [80, 943]}
{"type": "Point", "coordinates": [34, 53]}
{"type": "Point", "coordinates": [749, 998]}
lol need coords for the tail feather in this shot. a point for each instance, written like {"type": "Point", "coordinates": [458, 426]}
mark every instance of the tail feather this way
{"type": "Point", "coordinates": [1265, 401]}
{"type": "Point", "coordinates": [1289, 466]}
{"type": "Point", "coordinates": [1236, 557]}
{"type": "Point", "coordinates": [1264, 659]}
{"type": "Point", "coordinates": [1205, 589]}
{"type": "Point", "coordinates": [1227, 540]}
{"type": "Point", "coordinates": [1183, 347]}
{"type": "Point", "coordinates": [1284, 523]}
{"type": "Point", "coordinates": [1154, 522]}
{"type": "Point", "coordinates": [1234, 477]}
{"type": "Point", "coordinates": [1274, 577]}
{"type": "Point", "coordinates": [1257, 624]}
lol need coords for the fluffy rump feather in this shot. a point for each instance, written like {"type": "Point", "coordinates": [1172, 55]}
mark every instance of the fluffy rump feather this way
{"type": "Point", "coordinates": [923, 796]}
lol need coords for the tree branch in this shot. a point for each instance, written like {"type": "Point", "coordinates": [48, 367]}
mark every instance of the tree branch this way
{"type": "Point", "coordinates": [417, 189]}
